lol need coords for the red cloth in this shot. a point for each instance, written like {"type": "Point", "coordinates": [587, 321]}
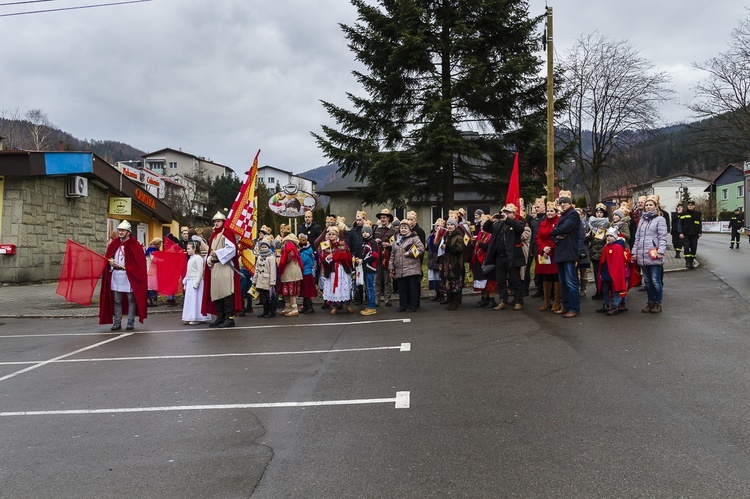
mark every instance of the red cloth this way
{"type": "Point", "coordinates": [81, 270]}
{"type": "Point", "coordinates": [514, 188]}
{"type": "Point", "coordinates": [617, 260]}
{"type": "Point", "coordinates": [307, 288]}
{"type": "Point", "coordinates": [135, 268]}
{"type": "Point", "coordinates": [169, 267]}
{"type": "Point", "coordinates": [208, 306]}
{"type": "Point", "coordinates": [289, 253]}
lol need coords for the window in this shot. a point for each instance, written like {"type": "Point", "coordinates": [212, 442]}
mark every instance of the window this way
{"type": "Point", "coordinates": [740, 191]}
{"type": "Point", "coordinates": [435, 213]}
{"type": "Point", "coordinates": [173, 165]}
{"type": "Point", "coordinates": [270, 180]}
{"type": "Point", "coordinates": [724, 194]}
{"type": "Point", "coordinates": [399, 213]}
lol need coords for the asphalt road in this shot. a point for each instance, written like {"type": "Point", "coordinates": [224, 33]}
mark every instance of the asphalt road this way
{"type": "Point", "coordinates": [474, 403]}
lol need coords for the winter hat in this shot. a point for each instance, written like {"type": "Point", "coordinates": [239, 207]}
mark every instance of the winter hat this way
{"type": "Point", "coordinates": [451, 221]}
{"type": "Point", "coordinates": [613, 232]}
{"type": "Point", "coordinates": [619, 213]}
{"type": "Point", "coordinates": [366, 230]}
{"type": "Point", "coordinates": [263, 243]}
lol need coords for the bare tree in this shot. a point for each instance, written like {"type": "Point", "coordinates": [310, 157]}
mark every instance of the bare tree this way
{"type": "Point", "coordinates": [612, 92]}
{"type": "Point", "coordinates": [10, 128]}
{"type": "Point", "coordinates": [723, 98]}
{"type": "Point", "coordinates": [39, 127]}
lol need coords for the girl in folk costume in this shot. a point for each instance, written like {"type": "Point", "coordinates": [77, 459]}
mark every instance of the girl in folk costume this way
{"type": "Point", "coordinates": [486, 283]}
{"type": "Point", "coordinates": [264, 279]}
{"type": "Point", "coordinates": [613, 270]}
{"type": "Point", "coordinates": [453, 264]}
{"type": "Point", "coordinates": [545, 261]}
{"type": "Point", "coordinates": [406, 267]}
{"type": "Point", "coordinates": [193, 284]}
{"type": "Point", "coordinates": [336, 261]}
{"type": "Point", "coordinates": [308, 291]}
{"type": "Point", "coordinates": [290, 275]}
{"type": "Point", "coordinates": [433, 263]}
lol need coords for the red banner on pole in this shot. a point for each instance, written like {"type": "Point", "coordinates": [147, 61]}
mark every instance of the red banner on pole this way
{"type": "Point", "coordinates": [81, 270]}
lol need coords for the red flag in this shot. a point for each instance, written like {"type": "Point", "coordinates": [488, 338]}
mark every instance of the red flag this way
{"type": "Point", "coordinates": [172, 247]}
{"type": "Point", "coordinates": [169, 267]}
{"type": "Point", "coordinates": [80, 272]}
{"type": "Point", "coordinates": [241, 219]}
{"type": "Point", "coordinates": [514, 189]}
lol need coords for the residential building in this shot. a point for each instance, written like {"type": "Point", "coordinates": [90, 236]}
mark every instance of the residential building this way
{"type": "Point", "coordinates": [670, 189]}
{"type": "Point", "coordinates": [271, 176]}
{"type": "Point", "coordinates": [172, 163]}
{"type": "Point", "coordinates": [728, 188]}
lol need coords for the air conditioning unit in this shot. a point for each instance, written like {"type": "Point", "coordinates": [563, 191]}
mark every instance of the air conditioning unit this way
{"type": "Point", "coordinates": [76, 187]}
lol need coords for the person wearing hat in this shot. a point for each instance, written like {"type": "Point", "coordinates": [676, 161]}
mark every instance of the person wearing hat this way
{"type": "Point", "coordinates": [222, 291]}
{"type": "Point", "coordinates": [566, 235]}
{"type": "Point", "coordinates": [383, 234]}
{"type": "Point", "coordinates": [124, 281]}
{"type": "Point", "coordinates": [735, 225]}
{"type": "Point", "coordinates": [546, 268]}
{"type": "Point", "coordinates": [612, 273]}
{"type": "Point", "coordinates": [354, 241]}
{"type": "Point", "coordinates": [336, 262]}
{"type": "Point", "coordinates": [264, 279]}
{"type": "Point", "coordinates": [691, 229]}
{"type": "Point", "coordinates": [621, 222]}
{"type": "Point", "coordinates": [452, 271]}
{"type": "Point", "coordinates": [290, 275]}
{"type": "Point", "coordinates": [675, 232]}
{"type": "Point", "coordinates": [370, 259]}
{"type": "Point", "coordinates": [506, 252]}
{"type": "Point", "coordinates": [307, 289]}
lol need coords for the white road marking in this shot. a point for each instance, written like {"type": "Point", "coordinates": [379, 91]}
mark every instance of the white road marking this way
{"type": "Point", "coordinates": [44, 363]}
{"type": "Point", "coordinates": [404, 347]}
{"type": "Point", "coordinates": [401, 401]}
{"type": "Point", "coordinates": [191, 329]}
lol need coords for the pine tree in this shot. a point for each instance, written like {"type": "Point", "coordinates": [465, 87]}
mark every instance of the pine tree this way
{"type": "Point", "coordinates": [453, 90]}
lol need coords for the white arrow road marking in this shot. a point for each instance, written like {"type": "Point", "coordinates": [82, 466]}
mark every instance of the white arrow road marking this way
{"type": "Point", "coordinates": [401, 401]}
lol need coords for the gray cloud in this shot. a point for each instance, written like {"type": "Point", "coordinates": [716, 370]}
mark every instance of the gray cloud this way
{"type": "Point", "coordinates": [223, 78]}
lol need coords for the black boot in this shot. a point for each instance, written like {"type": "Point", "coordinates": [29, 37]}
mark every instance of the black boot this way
{"type": "Point", "coordinates": [483, 302]}
{"type": "Point", "coordinates": [219, 320]}
{"type": "Point", "coordinates": [307, 306]}
{"type": "Point", "coordinates": [220, 313]}
{"type": "Point", "coordinates": [491, 304]}
{"type": "Point", "coordinates": [229, 322]}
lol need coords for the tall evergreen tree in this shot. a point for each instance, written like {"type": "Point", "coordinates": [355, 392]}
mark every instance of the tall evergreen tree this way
{"type": "Point", "coordinates": [453, 89]}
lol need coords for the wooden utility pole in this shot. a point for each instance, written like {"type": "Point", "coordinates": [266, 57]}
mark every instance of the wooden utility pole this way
{"type": "Point", "coordinates": [550, 112]}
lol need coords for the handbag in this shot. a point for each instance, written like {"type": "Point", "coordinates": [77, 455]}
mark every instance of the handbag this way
{"type": "Point", "coordinates": [488, 268]}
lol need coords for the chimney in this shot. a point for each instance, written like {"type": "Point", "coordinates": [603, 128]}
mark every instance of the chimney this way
{"type": "Point", "coordinates": [60, 146]}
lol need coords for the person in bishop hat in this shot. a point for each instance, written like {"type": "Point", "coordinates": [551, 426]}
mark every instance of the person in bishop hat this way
{"type": "Point", "coordinates": [124, 286]}
{"type": "Point", "coordinates": [222, 291]}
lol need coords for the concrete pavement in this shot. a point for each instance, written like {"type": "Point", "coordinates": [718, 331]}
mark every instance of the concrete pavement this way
{"type": "Point", "coordinates": [40, 300]}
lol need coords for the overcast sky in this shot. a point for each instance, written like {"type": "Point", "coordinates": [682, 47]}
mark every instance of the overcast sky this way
{"type": "Point", "coordinates": [224, 78]}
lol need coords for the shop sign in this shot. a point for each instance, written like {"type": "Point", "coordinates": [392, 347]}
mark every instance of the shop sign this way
{"type": "Point", "coordinates": [292, 202]}
{"type": "Point", "coordinates": [120, 206]}
{"type": "Point", "coordinates": [145, 198]}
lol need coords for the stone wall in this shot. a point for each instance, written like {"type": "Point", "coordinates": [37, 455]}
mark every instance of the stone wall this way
{"type": "Point", "coordinates": [38, 219]}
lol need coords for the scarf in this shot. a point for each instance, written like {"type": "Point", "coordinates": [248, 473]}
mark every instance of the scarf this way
{"type": "Point", "coordinates": [649, 215]}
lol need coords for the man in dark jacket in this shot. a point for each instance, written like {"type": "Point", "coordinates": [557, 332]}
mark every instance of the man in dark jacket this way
{"type": "Point", "coordinates": [691, 229]}
{"type": "Point", "coordinates": [735, 224]}
{"type": "Point", "coordinates": [567, 234]}
{"type": "Point", "coordinates": [354, 239]}
{"type": "Point", "coordinates": [310, 228]}
{"type": "Point", "coordinates": [506, 251]}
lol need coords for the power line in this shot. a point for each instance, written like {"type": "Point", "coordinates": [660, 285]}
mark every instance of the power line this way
{"type": "Point", "coordinates": [68, 8]}
{"type": "Point", "coordinates": [26, 1]}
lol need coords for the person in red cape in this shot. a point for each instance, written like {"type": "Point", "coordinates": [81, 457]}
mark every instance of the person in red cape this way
{"type": "Point", "coordinates": [222, 291]}
{"type": "Point", "coordinates": [289, 275]}
{"type": "Point", "coordinates": [124, 277]}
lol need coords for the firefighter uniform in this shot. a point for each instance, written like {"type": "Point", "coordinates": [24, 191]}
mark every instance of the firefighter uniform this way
{"type": "Point", "coordinates": [735, 224]}
{"type": "Point", "coordinates": [691, 229]}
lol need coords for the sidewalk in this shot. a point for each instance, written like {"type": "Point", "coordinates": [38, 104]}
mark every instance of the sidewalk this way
{"type": "Point", "coordinates": [41, 301]}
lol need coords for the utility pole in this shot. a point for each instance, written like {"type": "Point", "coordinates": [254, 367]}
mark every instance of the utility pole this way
{"type": "Point", "coordinates": [550, 111]}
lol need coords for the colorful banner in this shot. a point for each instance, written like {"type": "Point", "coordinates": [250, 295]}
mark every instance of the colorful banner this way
{"type": "Point", "coordinates": [81, 270]}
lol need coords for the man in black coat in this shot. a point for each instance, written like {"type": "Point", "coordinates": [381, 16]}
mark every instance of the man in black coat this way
{"type": "Point", "coordinates": [735, 224]}
{"type": "Point", "coordinates": [506, 251]}
{"type": "Point", "coordinates": [567, 234]}
{"type": "Point", "coordinates": [691, 229]}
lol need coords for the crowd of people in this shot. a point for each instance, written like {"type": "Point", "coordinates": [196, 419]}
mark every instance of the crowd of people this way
{"type": "Point", "coordinates": [368, 262]}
